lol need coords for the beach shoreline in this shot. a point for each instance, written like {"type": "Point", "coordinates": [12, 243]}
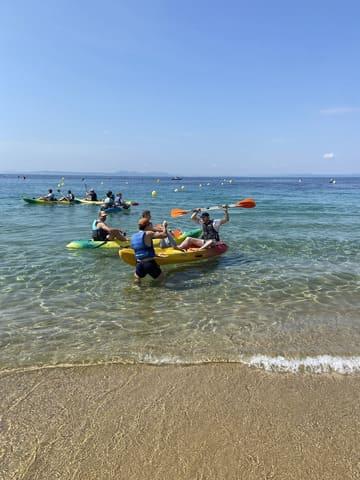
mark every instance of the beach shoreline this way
{"type": "Point", "coordinates": [182, 422]}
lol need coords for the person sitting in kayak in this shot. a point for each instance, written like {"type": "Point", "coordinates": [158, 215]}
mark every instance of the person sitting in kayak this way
{"type": "Point", "coordinates": [91, 195]}
{"type": "Point", "coordinates": [142, 244]}
{"type": "Point", "coordinates": [70, 197]}
{"type": "Point", "coordinates": [210, 235]}
{"type": "Point", "coordinates": [109, 200]}
{"type": "Point", "coordinates": [101, 232]}
{"type": "Point", "coordinates": [119, 202]}
{"type": "Point", "coordinates": [169, 241]}
{"type": "Point", "coordinates": [50, 197]}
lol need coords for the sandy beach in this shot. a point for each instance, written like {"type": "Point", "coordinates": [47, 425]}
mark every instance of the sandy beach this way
{"type": "Point", "coordinates": [219, 421]}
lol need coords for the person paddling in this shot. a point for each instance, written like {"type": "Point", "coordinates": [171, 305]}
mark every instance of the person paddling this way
{"type": "Point", "coordinates": [142, 244]}
{"type": "Point", "coordinates": [91, 195]}
{"type": "Point", "coordinates": [109, 200]}
{"type": "Point", "coordinates": [70, 197]}
{"type": "Point", "coordinates": [103, 233]}
{"type": "Point", "coordinates": [50, 197]}
{"type": "Point", "coordinates": [210, 228]}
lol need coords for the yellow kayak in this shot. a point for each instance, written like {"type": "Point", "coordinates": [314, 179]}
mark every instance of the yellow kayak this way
{"type": "Point", "coordinates": [169, 256]}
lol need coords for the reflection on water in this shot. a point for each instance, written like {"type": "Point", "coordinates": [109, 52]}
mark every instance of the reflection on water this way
{"type": "Point", "coordinates": [289, 284]}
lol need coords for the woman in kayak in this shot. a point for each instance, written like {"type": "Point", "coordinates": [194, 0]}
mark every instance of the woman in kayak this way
{"type": "Point", "coordinates": [142, 244]}
{"type": "Point", "coordinates": [103, 233]}
{"type": "Point", "coordinates": [210, 235]}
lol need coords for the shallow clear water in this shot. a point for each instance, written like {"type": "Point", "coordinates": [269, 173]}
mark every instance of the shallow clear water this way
{"type": "Point", "coordinates": [289, 286]}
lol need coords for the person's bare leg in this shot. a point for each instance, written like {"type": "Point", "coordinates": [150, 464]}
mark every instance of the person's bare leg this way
{"type": "Point", "coordinates": [115, 234]}
{"type": "Point", "coordinates": [190, 242]}
{"type": "Point", "coordinates": [207, 244]}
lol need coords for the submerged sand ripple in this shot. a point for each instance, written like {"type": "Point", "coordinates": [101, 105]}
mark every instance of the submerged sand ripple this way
{"type": "Point", "coordinates": [175, 422]}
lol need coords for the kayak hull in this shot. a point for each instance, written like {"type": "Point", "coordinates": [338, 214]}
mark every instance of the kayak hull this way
{"type": "Point", "coordinates": [170, 256]}
{"type": "Point", "coordinates": [93, 244]}
{"type": "Point", "coordinates": [40, 201]}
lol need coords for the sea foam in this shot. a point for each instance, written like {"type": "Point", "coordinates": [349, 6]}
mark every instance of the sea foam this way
{"type": "Point", "coordinates": [317, 364]}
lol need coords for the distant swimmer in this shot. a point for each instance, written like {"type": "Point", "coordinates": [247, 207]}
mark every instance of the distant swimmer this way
{"type": "Point", "coordinates": [103, 232]}
{"type": "Point", "coordinates": [50, 197]}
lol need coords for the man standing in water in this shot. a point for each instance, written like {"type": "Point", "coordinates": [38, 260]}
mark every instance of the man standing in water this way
{"type": "Point", "coordinates": [142, 244]}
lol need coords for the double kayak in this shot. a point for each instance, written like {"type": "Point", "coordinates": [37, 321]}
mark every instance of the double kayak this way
{"type": "Point", "coordinates": [81, 244]}
{"type": "Point", "coordinates": [170, 256]}
{"type": "Point", "coordinates": [41, 201]}
{"type": "Point", "coordinates": [129, 203]}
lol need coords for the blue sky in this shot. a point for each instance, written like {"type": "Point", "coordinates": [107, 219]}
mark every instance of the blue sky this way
{"type": "Point", "coordinates": [205, 87]}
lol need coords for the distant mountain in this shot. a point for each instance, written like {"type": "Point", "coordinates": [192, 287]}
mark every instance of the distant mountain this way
{"type": "Point", "coordinates": [123, 173]}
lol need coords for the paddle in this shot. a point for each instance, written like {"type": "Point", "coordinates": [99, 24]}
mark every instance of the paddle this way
{"type": "Point", "coordinates": [246, 203]}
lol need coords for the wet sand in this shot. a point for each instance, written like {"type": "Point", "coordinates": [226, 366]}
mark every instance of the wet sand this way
{"type": "Point", "coordinates": [219, 421]}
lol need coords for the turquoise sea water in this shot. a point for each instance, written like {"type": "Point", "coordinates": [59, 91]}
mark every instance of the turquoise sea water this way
{"type": "Point", "coordinates": [285, 296]}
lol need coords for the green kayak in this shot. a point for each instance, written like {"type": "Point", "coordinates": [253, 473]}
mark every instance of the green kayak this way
{"type": "Point", "coordinates": [41, 201]}
{"type": "Point", "coordinates": [80, 244]}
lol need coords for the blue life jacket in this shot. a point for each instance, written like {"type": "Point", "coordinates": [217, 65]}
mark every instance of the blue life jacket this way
{"type": "Point", "coordinates": [142, 251]}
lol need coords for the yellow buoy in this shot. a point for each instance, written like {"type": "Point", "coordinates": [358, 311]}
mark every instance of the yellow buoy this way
{"type": "Point", "coordinates": [154, 193]}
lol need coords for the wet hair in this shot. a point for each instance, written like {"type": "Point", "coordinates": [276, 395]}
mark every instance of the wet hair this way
{"type": "Point", "coordinates": [143, 223]}
{"type": "Point", "coordinates": [146, 213]}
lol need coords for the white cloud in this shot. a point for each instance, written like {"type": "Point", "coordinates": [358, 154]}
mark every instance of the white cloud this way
{"type": "Point", "coordinates": [328, 156]}
{"type": "Point", "coordinates": [339, 110]}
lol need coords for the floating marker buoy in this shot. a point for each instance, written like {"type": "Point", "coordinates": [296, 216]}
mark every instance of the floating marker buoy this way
{"type": "Point", "coordinates": [200, 185]}
{"type": "Point", "coordinates": [208, 184]}
{"type": "Point", "coordinates": [222, 183]}
{"type": "Point", "coordinates": [230, 181]}
{"type": "Point", "coordinates": [158, 180]}
{"type": "Point", "coordinates": [154, 193]}
{"type": "Point", "coordinates": [176, 190]}
{"type": "Point", "coordinates": [182, 187]}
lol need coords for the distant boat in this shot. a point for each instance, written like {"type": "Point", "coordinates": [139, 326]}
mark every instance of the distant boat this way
{"type": "Point", "coordinates": [176, 178]}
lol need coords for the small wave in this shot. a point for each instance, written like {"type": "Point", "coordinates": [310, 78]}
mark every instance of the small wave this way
{"type": "Point", "coordinates": [279, 364]}
{"type": "Point", "coordinates": [318, 364]}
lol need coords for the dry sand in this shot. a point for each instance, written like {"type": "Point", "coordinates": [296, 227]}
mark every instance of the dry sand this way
{"type": "Point", "coordinates": [219, 421]}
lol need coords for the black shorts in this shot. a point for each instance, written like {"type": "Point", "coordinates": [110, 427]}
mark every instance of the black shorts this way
{"type": "Point", "coordinates": [149, 267]}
